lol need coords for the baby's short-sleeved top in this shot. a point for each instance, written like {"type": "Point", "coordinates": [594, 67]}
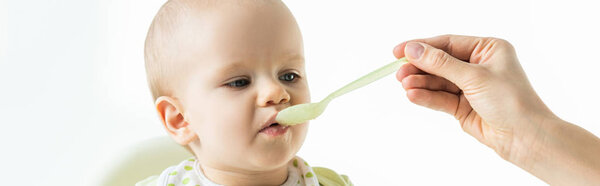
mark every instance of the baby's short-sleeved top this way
{"type": "Point", "coordinates": [188, 172]}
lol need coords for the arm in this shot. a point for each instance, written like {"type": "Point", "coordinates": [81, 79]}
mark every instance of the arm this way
{"type": "Point", "coordinates": [567, 155]}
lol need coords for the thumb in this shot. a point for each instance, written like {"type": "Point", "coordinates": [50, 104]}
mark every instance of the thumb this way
{"type": "Point", "coordinates": [439, 63]}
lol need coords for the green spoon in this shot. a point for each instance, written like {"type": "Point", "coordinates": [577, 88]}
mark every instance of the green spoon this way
{"type": "Point", "coordinates": [303, 112]}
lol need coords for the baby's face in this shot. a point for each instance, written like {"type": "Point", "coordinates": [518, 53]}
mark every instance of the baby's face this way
{"type": "Point", "coordinates": [242, 67]}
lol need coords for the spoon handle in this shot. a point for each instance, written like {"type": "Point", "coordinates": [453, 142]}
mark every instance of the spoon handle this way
{"type": "Point", "coordinates": [369, 78]}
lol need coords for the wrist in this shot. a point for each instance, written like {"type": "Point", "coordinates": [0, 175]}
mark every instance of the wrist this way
{"type": "Point", "coordinates": [539, 145]}
{"type": "Point", "coordinates": [561, 153]}
{"type": "Point", "coordinates": [530, 141]}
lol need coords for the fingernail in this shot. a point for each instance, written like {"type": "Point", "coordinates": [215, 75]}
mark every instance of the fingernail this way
{"type": "Point", "coordinates": [414, 50]}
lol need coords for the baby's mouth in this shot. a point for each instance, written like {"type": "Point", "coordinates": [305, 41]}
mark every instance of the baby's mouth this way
{"type": "Point", "coordinates": [268, 126]}
{"type": "Point", "coordinates": [272, 128]}
{"type": "Point", "coordinates": [272, 125]}
{"type": "Point", "coordinates": [275, 129]}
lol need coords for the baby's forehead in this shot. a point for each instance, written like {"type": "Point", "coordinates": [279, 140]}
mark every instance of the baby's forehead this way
{"type": "Point", "coordinates": [248, 35]}
{"type": "Point", "coordinates": [175, 15]}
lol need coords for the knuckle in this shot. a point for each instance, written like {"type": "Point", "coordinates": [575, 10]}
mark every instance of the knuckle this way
{"type": "Point", "coordinates": [501, 43]}
{"type": "Point", "coordinates": [413, 97]}
{"type": "Point", "coordinates": [505, 43]}
{"type": "Point", "coordinates": [447, 36]}
{"type": "Point", "coordinates": [411, 81]}
{"type": "Point", "coordinates": [416, 78]}
{"type": "Point", "coordinates": [438, 58]}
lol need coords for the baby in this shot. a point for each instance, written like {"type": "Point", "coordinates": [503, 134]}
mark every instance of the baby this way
{"type": "Point", "coordinates": [219, 72]}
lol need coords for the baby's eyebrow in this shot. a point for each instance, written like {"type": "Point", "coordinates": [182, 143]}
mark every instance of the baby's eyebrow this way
{"type": "Point", "coordinates": [235, 66]}
{"type": "Point", "coordinates": [292, 57]}
{"type": "Point", "coordinates": [230, 68]}
{"type": "Point", "coordinates": [295, 61]}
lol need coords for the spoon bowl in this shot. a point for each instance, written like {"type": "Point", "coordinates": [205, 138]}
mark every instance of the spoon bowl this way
{"type": "Point", "coordinates": [301, 113]}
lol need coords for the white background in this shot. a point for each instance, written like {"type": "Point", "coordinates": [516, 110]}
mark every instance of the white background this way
{"type": "Point", "coordinates": [73, 89]}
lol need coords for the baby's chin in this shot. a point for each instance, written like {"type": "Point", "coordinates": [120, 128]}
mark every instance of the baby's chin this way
{"type": "Point", "coordinates": [272, 159]}
{"type": "Point", "coordinates": [273, 152]}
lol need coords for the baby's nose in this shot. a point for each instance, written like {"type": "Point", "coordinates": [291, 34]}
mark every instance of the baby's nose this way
{"type": "Point", "coordinates": [273, 94]}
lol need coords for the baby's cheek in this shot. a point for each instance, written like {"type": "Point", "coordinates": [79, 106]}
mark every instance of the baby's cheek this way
{"type": "Point", "coordinates": [300, 95]}
{"type": "Point", "coordinates": [223, 136]}
{"type": "Point", "coordinates": [224, 145]}
{"type": "Point", "coordinates": [299, 135]}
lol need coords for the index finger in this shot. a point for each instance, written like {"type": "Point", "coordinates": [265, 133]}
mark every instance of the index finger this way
{"type": "Point", "coordinates": [461, 47]}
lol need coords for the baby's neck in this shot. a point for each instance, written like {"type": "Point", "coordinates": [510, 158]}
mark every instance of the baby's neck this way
{"type": "Point", "coordinates": [234, 177]}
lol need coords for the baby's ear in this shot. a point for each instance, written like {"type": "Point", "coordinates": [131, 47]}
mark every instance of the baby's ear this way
{"type": "Point", "coordinates": [170, 112]}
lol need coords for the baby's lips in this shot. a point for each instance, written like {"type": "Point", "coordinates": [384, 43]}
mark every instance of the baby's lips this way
{"type": "Point", "coordinates": [269, 121]}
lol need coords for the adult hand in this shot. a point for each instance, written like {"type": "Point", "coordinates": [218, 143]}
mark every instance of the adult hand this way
{"type": "Point", "coordinates": [481, 83]}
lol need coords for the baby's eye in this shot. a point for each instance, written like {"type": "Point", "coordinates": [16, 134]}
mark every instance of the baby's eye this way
{"type": "Point", "coordinates": [238, 83]}
{"type": "Point", "coordinates": [289, 77]}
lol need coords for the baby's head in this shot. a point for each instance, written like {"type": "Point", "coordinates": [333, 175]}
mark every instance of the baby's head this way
{"type": "Point", "coordinates": [219, 72]}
